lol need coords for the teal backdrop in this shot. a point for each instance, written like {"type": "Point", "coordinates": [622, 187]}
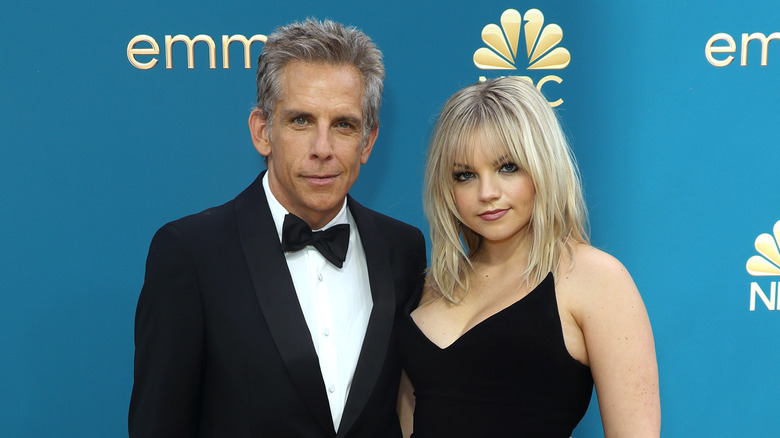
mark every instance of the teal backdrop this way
{"type": "Point", "coordinates": [678, 149]}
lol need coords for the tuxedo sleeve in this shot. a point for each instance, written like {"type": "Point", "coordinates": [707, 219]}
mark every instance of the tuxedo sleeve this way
{"type": "Point", "coordinates": [418, 269]}
{"type": "Point", "coordinates": [422, 261]}
{"type": "Point", "coordinates": [169, 343]}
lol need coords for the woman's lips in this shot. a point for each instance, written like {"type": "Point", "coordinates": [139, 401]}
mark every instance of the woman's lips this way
{"type": "Point", "coordinates": [492, 215]}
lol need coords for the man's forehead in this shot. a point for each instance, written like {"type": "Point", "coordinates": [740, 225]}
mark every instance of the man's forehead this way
{"type": "Point", "coordinates": [308, 87]}
{"type": "Point", "coordinates": [295, 68]}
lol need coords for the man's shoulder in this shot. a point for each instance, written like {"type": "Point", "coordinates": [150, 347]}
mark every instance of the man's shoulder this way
{"type": "Point", "coordinates": [203, 221]}
{"type": "Point", "coordinates": [215, 218]}
{"type": "Point", "coordinates": [382, 221]}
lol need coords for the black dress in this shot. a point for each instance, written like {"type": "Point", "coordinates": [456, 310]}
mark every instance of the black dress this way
{"type": "Point", "coordinates": [509, 376]}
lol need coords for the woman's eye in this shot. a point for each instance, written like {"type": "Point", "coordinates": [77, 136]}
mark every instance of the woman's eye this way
{"type": "Point", "coordinates": [509, 167]}
{"type": "Point", "coordinates": [463, 176]}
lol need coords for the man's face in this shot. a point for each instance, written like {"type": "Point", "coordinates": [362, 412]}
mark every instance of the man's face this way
{"type": "Point", "coordinates": [316, 145]}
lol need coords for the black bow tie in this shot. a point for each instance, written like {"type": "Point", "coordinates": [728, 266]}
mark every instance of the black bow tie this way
{"type": "Point", "coordinates": [331, 243]}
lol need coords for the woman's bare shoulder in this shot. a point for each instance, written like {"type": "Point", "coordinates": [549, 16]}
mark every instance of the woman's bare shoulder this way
{"type": "Point", "coordinates": [590, 260]}
{"type": "Point", "coordinates": [592, 273]}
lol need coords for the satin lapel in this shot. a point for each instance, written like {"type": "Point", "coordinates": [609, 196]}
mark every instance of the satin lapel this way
{"type": "Point", "coordinates": [278, 301]}
{"type": "Point", "coordinates": [380, 323]}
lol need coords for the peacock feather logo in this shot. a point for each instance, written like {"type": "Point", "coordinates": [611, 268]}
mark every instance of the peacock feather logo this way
{"type": "Point", "coordinates": [541, 43]}
{"type": "Point", "coordinates": [768, 263]}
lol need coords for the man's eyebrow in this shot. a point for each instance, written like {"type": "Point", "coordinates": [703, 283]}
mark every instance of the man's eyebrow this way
{"type": "Point", "coordinates": [293, 113]}
{"type": "Point", "coordinates": [349, 119]}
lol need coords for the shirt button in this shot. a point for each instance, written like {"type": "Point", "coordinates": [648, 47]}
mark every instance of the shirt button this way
{"type": "Point", "coordinates": [332, 388]}
{"type": "Point", "coordinates": [326, 332]}
{"type": "Point", "coordinates": [319, 276]}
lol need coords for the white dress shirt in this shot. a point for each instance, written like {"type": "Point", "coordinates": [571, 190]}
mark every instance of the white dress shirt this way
{"type": "Point", "coordinates": [336, 303]}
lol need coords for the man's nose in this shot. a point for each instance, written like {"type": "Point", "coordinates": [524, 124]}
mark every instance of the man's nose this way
{"type": "Point", "coordinates": [322, 147]}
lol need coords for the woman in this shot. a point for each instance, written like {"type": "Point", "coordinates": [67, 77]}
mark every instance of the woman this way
{"type": "Point", "coordinates": [520, 316]}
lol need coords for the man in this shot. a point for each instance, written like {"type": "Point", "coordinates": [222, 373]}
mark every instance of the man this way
{"type": "Point", "coordinates": [250, 324]}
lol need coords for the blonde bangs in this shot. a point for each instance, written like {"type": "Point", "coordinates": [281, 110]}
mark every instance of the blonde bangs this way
{"type": "Point", "coordinates": [510, 120]}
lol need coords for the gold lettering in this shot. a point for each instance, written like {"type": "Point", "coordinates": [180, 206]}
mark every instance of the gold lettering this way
{"type": "Point", "coordinates": [247, 46]}
{"type": "Point", "coordinates": [547, 79]}
{"type": "Point", "coordinates": [764, 45]}
{"type": "Point", "coordinates": [710, 48]}
{"type": "Point", "coordinates": [538, 86]}
{"type": "Point", "coordinates": [132, 51]}
{"type": "Point", "coordinates": [190, 53]}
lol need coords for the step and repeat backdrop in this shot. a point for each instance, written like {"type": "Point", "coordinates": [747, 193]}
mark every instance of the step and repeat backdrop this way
{"type": "Point", "coordinates": [117, 117]}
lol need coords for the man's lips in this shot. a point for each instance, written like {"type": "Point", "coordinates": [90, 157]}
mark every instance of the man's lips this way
{"type": "Point", "coordinates": [492, 215]}
{"type": "Point", "coordinates": [320, 179]}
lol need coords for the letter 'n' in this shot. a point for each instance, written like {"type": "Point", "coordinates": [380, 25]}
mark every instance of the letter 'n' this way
{"type": "Point", "coordinates": [770, 302]}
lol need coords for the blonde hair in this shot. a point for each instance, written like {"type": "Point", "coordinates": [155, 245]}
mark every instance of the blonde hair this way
{"type": "Point", "coordinates": [520, 125]}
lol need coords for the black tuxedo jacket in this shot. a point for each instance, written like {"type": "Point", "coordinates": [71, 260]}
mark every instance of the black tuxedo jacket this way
{"type": "Point", "coordinates": [222, 347]}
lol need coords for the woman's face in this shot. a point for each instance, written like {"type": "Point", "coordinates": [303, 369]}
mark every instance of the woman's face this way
{"type": "Point", "coordinates": [494, 196]}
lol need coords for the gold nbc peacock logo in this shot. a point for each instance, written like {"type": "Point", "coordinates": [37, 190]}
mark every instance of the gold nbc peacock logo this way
{"type": "Point", "coordinates": [541, 43]}
{"type": "Point", "coordinates": [768, 263]}
{"type": "Point", "coordinates": [542, 47]}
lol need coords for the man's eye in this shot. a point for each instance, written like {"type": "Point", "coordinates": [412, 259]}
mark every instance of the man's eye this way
{"type": "Point", "coordinates": [344, 125]}
{"type": "Point", "coordinates": [463, 176]}
{"type": "Point", "coordinates": [300, 121]}
{"type": "Point", "coordinates": [509, 167]}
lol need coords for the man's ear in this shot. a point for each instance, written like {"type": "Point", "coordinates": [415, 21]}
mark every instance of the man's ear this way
{"type": "Point", "coordinates": [366, 151]}
{"type": "Point", "coordinates": [259, 128]}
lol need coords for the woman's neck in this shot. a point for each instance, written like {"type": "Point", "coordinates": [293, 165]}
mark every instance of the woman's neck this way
{"type": "Point", "coordinates": [512, 252]}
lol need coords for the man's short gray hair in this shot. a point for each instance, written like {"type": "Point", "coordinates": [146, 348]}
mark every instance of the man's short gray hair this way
{"type": "Point", "coordinates": [326, 42]}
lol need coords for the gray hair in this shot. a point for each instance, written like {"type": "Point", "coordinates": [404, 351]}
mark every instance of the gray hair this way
{"type": "Point", "coordinates": [326, 42]}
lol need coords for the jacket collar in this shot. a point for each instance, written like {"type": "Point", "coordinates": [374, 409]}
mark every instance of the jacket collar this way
{"type": "Point", "coordinates": [380, 324]}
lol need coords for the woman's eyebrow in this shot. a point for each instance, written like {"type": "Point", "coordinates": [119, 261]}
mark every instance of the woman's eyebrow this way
{"type": "Point", "coordinates": [502, 160]}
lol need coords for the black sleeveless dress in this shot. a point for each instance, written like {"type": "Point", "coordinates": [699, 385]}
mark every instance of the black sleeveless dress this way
{"type": "Point", "coordinates": [509, 376]}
